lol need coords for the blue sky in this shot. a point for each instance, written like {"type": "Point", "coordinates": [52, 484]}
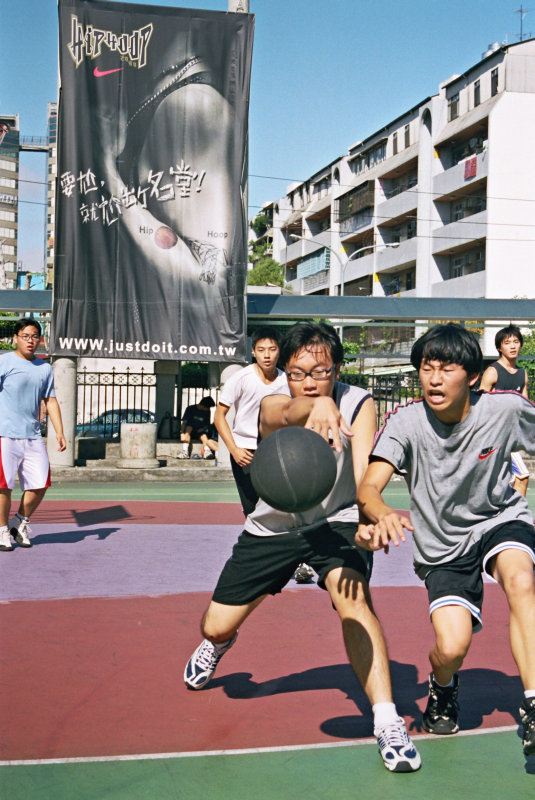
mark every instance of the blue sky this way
{"type": "Point", "coordinates": [326, 73]}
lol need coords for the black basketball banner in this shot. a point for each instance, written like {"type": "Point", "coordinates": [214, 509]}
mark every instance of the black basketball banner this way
{"type": "Point", "coordinates": [150, 244]}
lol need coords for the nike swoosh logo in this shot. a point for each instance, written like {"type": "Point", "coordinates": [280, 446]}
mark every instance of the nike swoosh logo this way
{"type": "Point", "coordinates": [482, 456]}
{"type": "Point", "coordinates": [100, 74]}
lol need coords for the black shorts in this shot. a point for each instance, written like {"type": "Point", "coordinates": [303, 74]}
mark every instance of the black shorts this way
{"type": "Point", "coordinates": [460, 582]}
{"type": "Point", "coordinates": [248, 496]}
{"type": "Point", "coordinates": [264, 564]}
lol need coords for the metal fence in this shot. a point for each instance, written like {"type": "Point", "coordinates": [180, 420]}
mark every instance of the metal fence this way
{"type": "Point", "coordinates": [105, 399]}
{"type": "Point", "coordinates": [388, 390]}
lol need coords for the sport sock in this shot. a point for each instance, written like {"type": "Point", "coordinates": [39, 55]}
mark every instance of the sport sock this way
{"type": "Point", "coordinates": [444, 685]}
{"type": "Point", "coordinates": [218, 646]}
{"type": "Point", "coordinates": [529, 693]}
{"type": "Point", "coordinates": [384, 714]}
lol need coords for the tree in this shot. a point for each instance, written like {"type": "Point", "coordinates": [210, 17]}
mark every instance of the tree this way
{"type": "Point", "coordinates": [260, 225]}
{"type": "Point", "coordinates": [266, 270]}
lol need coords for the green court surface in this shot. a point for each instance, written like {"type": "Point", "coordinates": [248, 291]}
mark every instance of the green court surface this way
{"type": "Point", "coordinates": [453, 768]}
{"type": "Point", "coordinates": [192, 491]}
{"type": "Point", "coordinates": [395, 494]}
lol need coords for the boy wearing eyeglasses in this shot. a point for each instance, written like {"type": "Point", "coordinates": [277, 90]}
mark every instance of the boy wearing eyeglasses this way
{"type": "Point", "coordinates": [275, 542]}
{"type": "Point", "coordinates": [25, 382]}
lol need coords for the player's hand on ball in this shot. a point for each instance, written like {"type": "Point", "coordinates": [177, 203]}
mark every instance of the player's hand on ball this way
{"type": "Point", "coordinates": [325, 419]}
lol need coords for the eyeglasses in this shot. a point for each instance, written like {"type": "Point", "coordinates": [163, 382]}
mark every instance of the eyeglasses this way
{"type": "Point", "coordinates": [316, 374]}
{"type": "Point", "coordinates": [28, 337]}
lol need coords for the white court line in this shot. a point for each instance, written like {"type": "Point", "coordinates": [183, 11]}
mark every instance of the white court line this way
{"type": "Point", "coordinates": [245, 751]}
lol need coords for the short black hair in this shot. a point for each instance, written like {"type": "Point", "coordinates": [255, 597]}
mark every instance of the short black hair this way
{"type": "Point", "coordinates": [504, 333]}
{"type": "Point", "coordinates": [303, 335]}
{"type": "Point", "coordinates": [207, 402]}
{"type": "Point", "coordinates": [266, 332]}
{"type": "Point", "coordinates": [23, 322]}
{"type": "Point", "coordinates": [449, 344]}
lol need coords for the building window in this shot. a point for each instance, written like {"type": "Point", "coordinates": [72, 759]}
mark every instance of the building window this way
{"type": "Point", "coordinates": [453, 107]}
{"type": "Point", "coordinates": [457, 268]}
{"type": "Point", "coordinates": [477, 93]}
{"type": "Point", "coordinates": [458, 211]}
{"type": "Point", "coordinates": [407, 135]}
{"type": "Point", "coordinates": [494, 82]}
{"type": "Point", "coordinates": [395, 143]}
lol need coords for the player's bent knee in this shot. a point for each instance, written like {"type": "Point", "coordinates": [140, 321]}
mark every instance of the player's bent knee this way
{"type": "Point", "coordinates": [220, 622]}
{"type": "Point", "coordinates": [520, 585]}
{"type": "Point", "coordinates": [450, 652]}
{"type": "Point", "coordinates": [217, 633]}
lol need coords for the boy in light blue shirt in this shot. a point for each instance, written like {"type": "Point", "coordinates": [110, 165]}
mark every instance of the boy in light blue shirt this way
{"type": "Point", "coordinates": [25, 382]}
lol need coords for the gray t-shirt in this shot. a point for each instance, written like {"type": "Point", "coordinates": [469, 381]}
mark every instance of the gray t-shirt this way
{"type": "Point", "coordinates": [458, 475]}
{"type": "Point", "coordinates": [340, 504]}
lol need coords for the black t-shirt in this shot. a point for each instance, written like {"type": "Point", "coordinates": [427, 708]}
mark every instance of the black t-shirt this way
{"type": "Point", "coordinates": [197, 418]}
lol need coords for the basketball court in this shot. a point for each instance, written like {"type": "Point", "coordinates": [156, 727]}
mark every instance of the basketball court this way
{"type": "Point", "coordinates": [99, 617]}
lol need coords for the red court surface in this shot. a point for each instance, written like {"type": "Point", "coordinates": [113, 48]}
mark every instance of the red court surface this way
{"type": "Point", "coordinates": [101, 677]}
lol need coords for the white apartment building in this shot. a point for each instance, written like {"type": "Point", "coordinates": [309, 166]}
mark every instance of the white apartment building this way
{"type": "Point", "coordinates": [438, 203]}
{"type": "Point", "coordinates": [9, 197]}
{"type": "Point", "coordinates": [51, 170]}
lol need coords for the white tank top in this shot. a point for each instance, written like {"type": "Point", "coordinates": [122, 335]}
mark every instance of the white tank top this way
{"type": "Point", "coordinates": [340, 504]}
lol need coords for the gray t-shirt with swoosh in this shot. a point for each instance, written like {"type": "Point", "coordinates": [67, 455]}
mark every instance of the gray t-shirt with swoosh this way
{"type": "Point", "coordinates": [458, 475]}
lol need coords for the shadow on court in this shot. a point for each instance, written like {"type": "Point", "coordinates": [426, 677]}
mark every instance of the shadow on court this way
{"type": "Point", "coordinates": [72, 537]}
{"type": "Point", "coordinates": [481, 693]}
{"type": "Point", "coordinates": [96, 516]}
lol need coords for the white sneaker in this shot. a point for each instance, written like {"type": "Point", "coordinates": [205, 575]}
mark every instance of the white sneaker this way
{"type": "Point", "coordinates": [202, 664]}
{"type": "Point", "coordinates": [397, 749]}
{"type": "Point", "coordinates": [183, 455]}
{"type": "Point", "coordinates": [5, 540]}
{"type": "Point", "coordinates": [20, 528]}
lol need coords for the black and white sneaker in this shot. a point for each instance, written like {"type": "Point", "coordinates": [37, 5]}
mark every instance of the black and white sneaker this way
{"type": "Point", "coordinates": [442, 713]}
{"type": "Point", "coordinates": [19, 529]}
{"type": "Point", "coordinates": [303, 574]}
{"type": "Point", "coordinates": [527, 716]}
{"type": "Point", "coordinates": [397, 748]}
{"type": "Point", "coordinates": [202, 664]}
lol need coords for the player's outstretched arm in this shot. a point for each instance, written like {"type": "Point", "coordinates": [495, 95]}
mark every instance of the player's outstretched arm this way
{"type": "Point", "coordinates": [389, 526]}
{"type": "Point", "coordinates": [319, 414]}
